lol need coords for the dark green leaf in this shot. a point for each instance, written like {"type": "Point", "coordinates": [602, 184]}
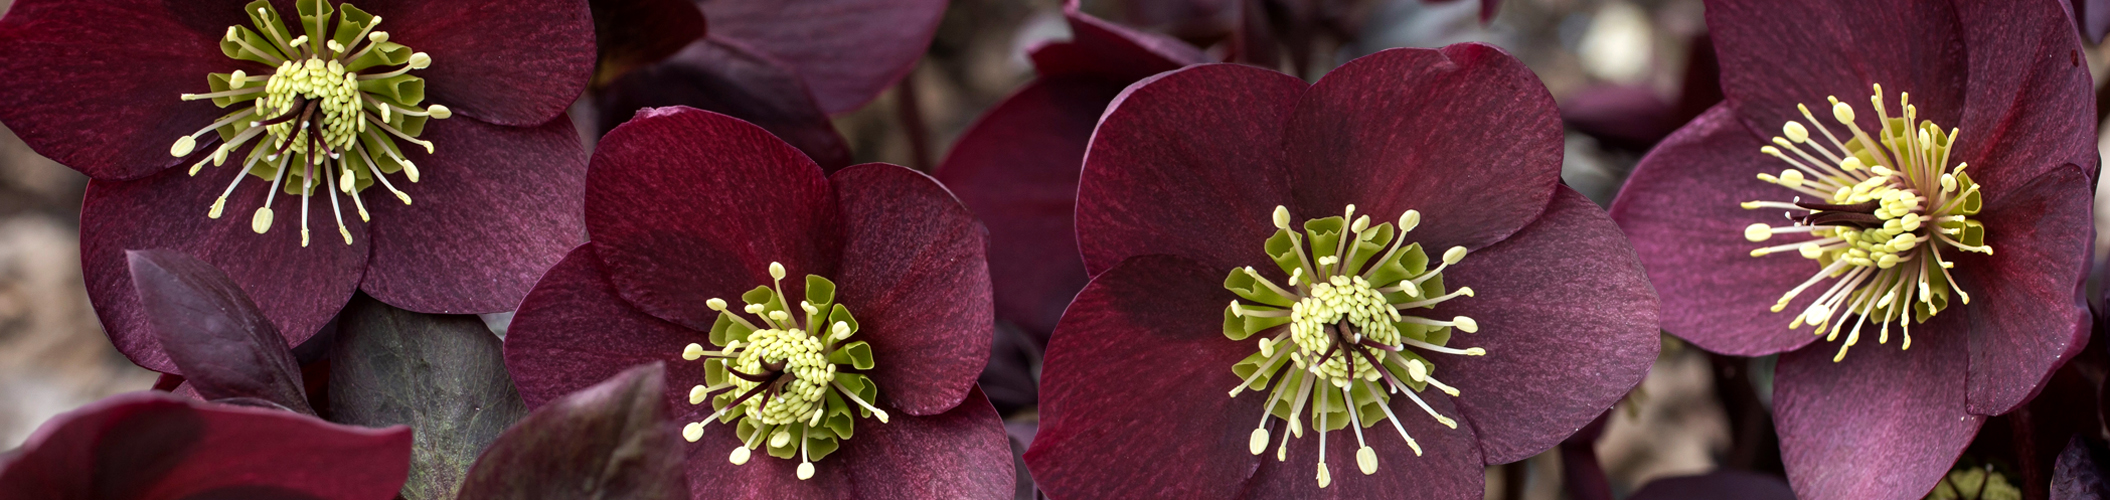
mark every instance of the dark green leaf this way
{"type": "Point", "coordinates": [442, 375]}
{"type": "Point", "coordinates": [610, 441]}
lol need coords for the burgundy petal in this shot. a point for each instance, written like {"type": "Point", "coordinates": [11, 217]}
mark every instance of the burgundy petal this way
{"type": "Point", "coordinates": [298, 288]}
{"type": "Point", "coordinates": [1187, 163]}
{"type": "Point", "coordinates": [1449, 466]}
{"type": "Point", "coordinates": [1722, 484]}
{"type": "Point", "coordinates": [1779, 53]}
{"type": "Point", "coordinates": [847, 50]}
{"type": "Point", "coordinates": [1625, 117]}
{"type": "Point", "coordinates": [1017, 168]}
{"type": "Point", "coordinates": [2078, 474]}
{"type": "Point", "coordinates": [1569, 323]}
{"type": "Point", "coordinates": [724, 76]}
{"type": "Point", "coordinates": [631, 33]}
{"type": "Point", "coordinates": [1111, 51]}
{"type": "Point", "coordinates": [611, 440]}
{"type": "Point", "coordinates": [2029, 89]}
{"type": "Point", "coordinates": [686, 205]}
{"type": "Point", "coordinates": [1884, 422]}
{"type": "Point", "coordinates": [914, 274]}
{"type": "Point", "coordinates": [496, 207]}
{"type": "Point", "coordinates": [1680, 209]}
{"type": "Point", "coordinates": [154, 445]}
{"type": "Point", "coordinates": [959, 454]}
{"type": "Point", "coordinates": [1140, 358]}
{"type": "Point", "coordinates": [94, 85]}
{"type": "Point", "coordinates": [2031, 312]}
{"type": "Point", "coordinates": [2093, 17]}
{"type": "Point", "coordinates": [1465, 134]}
{"type": "Point", "coordinates": [573, 330]}
{"type": "Point", "coordinates": [225, 346]}
{"type": "Point", "coordinates": [516, 63]}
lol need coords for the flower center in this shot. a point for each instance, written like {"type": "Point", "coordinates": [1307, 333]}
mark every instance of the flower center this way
{"type": "Point", "coordinates": [788, 375]}
{"type": "Point", "coordinates": [329, 112]}
{"type": "Point", "coordinates": [1880, 210]}
{"type": "Point", "coordinates": [1335, 339]}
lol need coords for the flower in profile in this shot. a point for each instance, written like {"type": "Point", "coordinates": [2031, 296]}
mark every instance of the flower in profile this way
{"type": "Point", "coordinates": [832, 322]}
{"type": "Point", "coordinates": [416, 151]}
{"type": "Point", "coordinates": [1895, 199]}
{"type": "Point", "coordinates": [1016, 167]}
{"type": "Point", "coordinates": [1237, 339]}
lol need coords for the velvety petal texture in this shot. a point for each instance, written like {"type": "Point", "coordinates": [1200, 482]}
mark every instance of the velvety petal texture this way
{"type": "Point", "coordinates": [496, 206]}
{"type": "Point", "coordinates": [1776, 54]}
{"type": "Point", "coordinates": [155, 445]}
{"type": "Point", "coordinates": [727, 76]}
{"type": "Point", "coordinates": [139, 56]}
{"type": "Point", "coordinates": [299, 289]}
{"type": "Point", "coordinates": [848, 51]}
{"type": "Point", "coordinates": [224, 344]}
{"type": "Point", "coordinates": [2029, 312]}
{"type": "Point", "coordinates": [611, 440]}
{"type": "Point", "coordinates": [914, 273]}
{"type": "Point", "coordinates": [513, 63]}
{"type": "Point", "coordinates": [1110, 51]}
{"type": "Point", "coordinates": [631, 33]}
{"type": "Point", "coordinates": [574, 329]}
{"type": "Point", "coordinates": [1884, 423]}
{"type": "Point", "coordinates": [962, 454]}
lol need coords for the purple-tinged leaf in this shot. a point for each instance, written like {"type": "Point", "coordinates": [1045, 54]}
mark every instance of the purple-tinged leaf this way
{"type": "Point", "coordinates": [2079, 473]}
{"type": "Point", "coordinates": [609, 441]}
{"type": "Point", "coordinates": [214, 333]}
{"type": "Point", "coordinates": [444, 376]}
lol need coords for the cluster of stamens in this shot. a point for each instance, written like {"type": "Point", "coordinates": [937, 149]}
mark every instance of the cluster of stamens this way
{"type": "Point", "coordinates": [788, 375]}
{"type": "Point", "coordinates": [329, 112]}
{"type": "Point", "coordinates": [1880, 209]}
{"type": "Point", "coordinates": [1334, 340]}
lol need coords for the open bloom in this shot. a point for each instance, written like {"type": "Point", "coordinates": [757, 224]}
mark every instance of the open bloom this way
{"type": "Point", "coordinates": [1897, 199]}
{"type": "Point", "coordinates": [286, 143]}
{"type": "Point", "coordinates": [158, 445]}
{"type": "Point", "coordinates": [1016, 167]}
{"type": "Point", "coordinates": [834, 323]}
{"type": "Point", "coordinates": [1380, 269]}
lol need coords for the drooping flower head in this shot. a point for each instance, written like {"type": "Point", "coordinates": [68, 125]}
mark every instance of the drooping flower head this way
{"type": "Point", "coordinates": [1462, 309]}
{"type": "Point", "coordinates": [328, 117]}
{"type": "Point", "coordinates": [1915, 174]}
{"type": "Point", "coordinates": [834, 323]}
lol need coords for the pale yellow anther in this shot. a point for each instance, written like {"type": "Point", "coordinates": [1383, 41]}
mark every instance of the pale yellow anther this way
{"type": "Point", "coordinates": [410, 171]}
{"type": "Point", "coordinates": [1758, 232]}
{"type": "Point", "coordinates": [716, 304]}
{"type": "Point", "coordinates": [1366, 459]}
{"type": "Point", "coordinates": [303, 40]}
{"type": "Point", "coordinates": [1795, 132]}
{"type": "Point", "coordinates": [333, 45]}
{"type": "Point", "coordinates": [780, 438]}
{"type": "Point", "coordinates": [303, 237]}
{"type": "Point", "coordinates": [1361, 223]}
{"type": "Point", "coordinates": [233, 33]}
{"type": "Point", "coordinates": [1408, 220]}
{"type": "Point", "coordinates": [1475, 351]}
{"type": "Point", "coordinates": [1843, 112]}
{"type": "Point", "coordinates": [776, 270]}
{"type": "Point", "coordinates": [1325, 477]}
{"type": "Point", "coordinates": [439, 112]}
{"type": "Point", "coordinates": [1258, 443]}
{"type": "Point", "coordinates": [740, 456]}
{"type": "Point", "coordinates": [805, 471]}
{"type": "Point", "coordinates": [262, 221]}
{"type": "Point", "coordinates": [692, 352]}
{"type": "Point", "coordinates": [1770, 150]}
{"type": "Point", "coordinates": [692, 432]}
{"type": "Point", "coordinates": [218, 206]}
{"type": "Point", "coordinates": [1236, 310]}
{"type": "Point", "coordinates": [183, 146]}
{"type": "Point", "coordinates": [1281, 217]}
{"type": "Point", "coordinates": [378, 36]}
{"type": "Point", "coordinates": [1454, 255]}
{"type": "Point", "coordinates": [1851, 164]}
{"type": "Point", "coordinates": [347, 234]}
{"type": "Point", "coordinates": [696, 395]}
{"type": "Point", "coordinates": [1417, 371]}
{"type": "Point", "coordinates": [1791, 178]}
{"type": "Point", "coordinates": [1466, 324]}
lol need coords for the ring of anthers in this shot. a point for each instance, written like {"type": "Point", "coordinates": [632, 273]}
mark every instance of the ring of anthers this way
{"type": "Point", "coordinates": [1335, 338]}
{"type": "Point", "coordinates": [1880, 210]}
{"type": "Point", "coordinates": [329, 112]}
{"type": "Point", "coordinates": [790, 374]}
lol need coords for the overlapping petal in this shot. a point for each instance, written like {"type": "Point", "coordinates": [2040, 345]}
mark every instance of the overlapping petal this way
{"type": "Point", "coordinates": [1569, 323]}
{"type": "Point", "coordinates": [496, 206]}
{"type": "Point", "coordinates": [1776, 54]}
{"type": "Point", "coordinates": [2028, 314]}
{"type": "Point", "coordinates": [513, 63]}
{"type": "Point", "coordinates": [848, 50]}
{"type": "Point", "coordinates": [726, 76]}
{"type": "Point", "coordinates": [1133, 398]}
{"type": "Point", "coordinates": [1884, 423]}
{"type": "Point", "coordinates": [1680, 209]}
{"type": "Point", "coordinates": [1110, 51]}
{"type": "Point", "coordinates": [2028, 87]}
{"type": "Point", "coordinates": [1465, 134]}
{"type": "Point", "coordinates": [140, 58]}
{"type": "Point", "coordinates": [1184, 162]}
{"type": "Point", "coordinates": [299, 289]}
{"type": "Point", "coordinates": [915, 275]}
{"type": "Point", "coordinates": [676, 208]}
{"type": "Point", "coordinates": [574, 329]}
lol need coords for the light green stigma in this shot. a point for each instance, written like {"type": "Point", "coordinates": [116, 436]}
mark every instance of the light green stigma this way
{"type": "Point", "coordinates": [1880, 210]}
{"type": "Point", "coordinates": [329, 112]}
{"type": "Point", "coordinates": [790, 375]}
{"type": "Point", "coordinates": [1335, 338]}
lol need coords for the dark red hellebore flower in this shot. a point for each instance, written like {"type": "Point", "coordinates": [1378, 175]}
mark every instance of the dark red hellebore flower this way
{"type": "Point", "coordinates": [1916, 174]}
{"type": "Point", "coordinates": [320, 103]}
{"type": "Point", "coordinates": [834, 322]}
{"type": "Point", "coordinates": [154, 445]}
{"type": "Point", "coordinates": [1518, 288]}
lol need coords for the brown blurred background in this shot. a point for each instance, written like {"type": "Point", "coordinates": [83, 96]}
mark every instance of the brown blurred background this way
{"type": "Point", "coordinates": [53, 356]}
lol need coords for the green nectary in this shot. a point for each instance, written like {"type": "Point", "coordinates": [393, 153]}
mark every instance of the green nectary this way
{"type": "Point", "coordinates": [1337, 337]}
{"type": "Point", "coordinates": [328, 114]}
{"type": "Point", "coordinates": [790, 378]}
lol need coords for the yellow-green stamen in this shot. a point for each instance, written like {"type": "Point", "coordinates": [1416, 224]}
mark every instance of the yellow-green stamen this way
{"type": "Point", "coordinates": [1880, 209]}
{"type": "Point", "coordinates": [789, 375]}
{"type": "Point", "coordinates": [1336, 337]}
{"type": "Point", "coordinates": [330, 111]}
